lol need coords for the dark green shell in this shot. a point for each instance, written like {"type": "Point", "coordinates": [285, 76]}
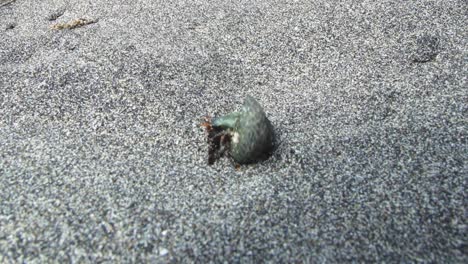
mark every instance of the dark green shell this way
{"type": "Point", "coordinates": [252, 136]}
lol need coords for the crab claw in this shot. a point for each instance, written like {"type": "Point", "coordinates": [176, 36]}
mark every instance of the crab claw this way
{"type": "Point", "coordinates": [206, 123]}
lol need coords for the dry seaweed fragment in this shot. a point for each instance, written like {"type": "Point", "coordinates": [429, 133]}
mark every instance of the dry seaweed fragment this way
{"type": "Point", "coordinates": [80, 22]}
{"type": "Point", "coordinates": [7, 2]}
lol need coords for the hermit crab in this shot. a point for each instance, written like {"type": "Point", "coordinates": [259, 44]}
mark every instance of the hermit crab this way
{"type": "Point", "coordinates": [247, 135]}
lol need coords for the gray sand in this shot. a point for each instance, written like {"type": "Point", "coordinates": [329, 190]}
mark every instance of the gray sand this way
{"type": "Point", "coordinates": [102, 157]}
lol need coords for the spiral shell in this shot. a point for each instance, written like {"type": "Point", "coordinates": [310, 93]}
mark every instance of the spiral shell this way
{"type": "Point", "coordinates": [251, 133]}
